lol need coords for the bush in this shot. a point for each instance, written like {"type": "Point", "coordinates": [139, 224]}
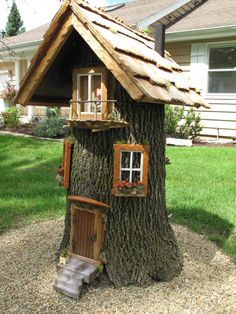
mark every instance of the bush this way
{"type": "Point", "coordinates": [50, 127]}
{"type": "Point", "coordinates": [11, 117]}
{"type": "Point", "coordinates": [180, 124]}
{"type": "Point", "coordinates": [173, 115]}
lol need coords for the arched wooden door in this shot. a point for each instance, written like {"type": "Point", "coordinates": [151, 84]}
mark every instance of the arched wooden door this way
{"type": "Point", "coordinates": [86, 232]}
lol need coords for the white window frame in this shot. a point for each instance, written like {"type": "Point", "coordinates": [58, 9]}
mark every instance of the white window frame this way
{"type": "Point", "coordinates": [5, 74]}
{"type": "Point", "coordinates": [217, 45]}
{"type": "Point", "coordinates": [131, 169]}
{"type": "Point", "coordinates": [89, 75]}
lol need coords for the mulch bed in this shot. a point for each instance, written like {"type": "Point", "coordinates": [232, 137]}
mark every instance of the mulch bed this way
{"type": "Point", "coordinates": [28, 269]}
{"type": "Point", "coordinates": [27, 129]}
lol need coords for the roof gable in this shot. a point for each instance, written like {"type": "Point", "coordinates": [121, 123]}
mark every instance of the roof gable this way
{"type": "Point", "coordinates": [128, 54]}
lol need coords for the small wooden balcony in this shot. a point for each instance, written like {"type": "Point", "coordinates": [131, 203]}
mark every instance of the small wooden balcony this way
{"type": "Point", "coordinates": [100, 116]}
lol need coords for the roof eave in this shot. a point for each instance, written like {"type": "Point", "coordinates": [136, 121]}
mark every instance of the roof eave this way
{"type": "Point", "coordinates": [203, 33]}
{"type": "Point", "coordinates": [144, 24]}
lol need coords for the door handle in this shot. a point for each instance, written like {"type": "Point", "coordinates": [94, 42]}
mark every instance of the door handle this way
{"type": "Point", "coordinates": [92, 237]}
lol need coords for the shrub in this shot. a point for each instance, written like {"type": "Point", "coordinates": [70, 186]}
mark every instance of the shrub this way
{"type": "Point", "coordinates": [191, 126]}
{"type": "Point", "coordinates": [173, 116]}
{"type": "Point", "coordinates": [51, 127]}
{"type": "Point", "coordinates": [180, 124]}
{"type": "Point", "coordinates": [11, 117]}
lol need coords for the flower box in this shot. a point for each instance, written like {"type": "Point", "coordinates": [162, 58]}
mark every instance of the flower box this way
{"type": "Point", "coordinates": [125, 188]}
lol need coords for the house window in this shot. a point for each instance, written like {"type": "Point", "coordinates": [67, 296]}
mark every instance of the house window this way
{"type": "Point", "coordinates": [222, 69]}
{"type": "Point", "coordinates": [90, 90]}
{"type": "Point", "coordinates": [130, 169]}
{"type": "Point", "coordinates": [4, 77]}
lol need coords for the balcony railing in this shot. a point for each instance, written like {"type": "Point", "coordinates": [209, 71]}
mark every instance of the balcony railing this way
{"type": "Point", "coordinates": [97, 115]}
{"type": "Point", "coordinates": [90, 109]}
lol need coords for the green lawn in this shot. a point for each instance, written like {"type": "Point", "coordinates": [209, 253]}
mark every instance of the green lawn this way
{"type": "Point", "coordinates": [28, 190]}
{"type": "Point", "coordinates": [201, 192]}
{"type": "Point", "coordinates": [201, 187]}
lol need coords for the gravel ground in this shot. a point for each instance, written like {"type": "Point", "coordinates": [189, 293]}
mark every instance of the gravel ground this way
{"type": "Point", "coordinates": [27, 272]}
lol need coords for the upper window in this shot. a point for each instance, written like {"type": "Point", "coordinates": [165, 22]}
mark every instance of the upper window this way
{"type": "Point", "coordinates": [222, 69]}
{"type": "Point", "coordinates": [90, 90]}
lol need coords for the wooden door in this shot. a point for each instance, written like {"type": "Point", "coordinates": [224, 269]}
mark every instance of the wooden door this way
{"type": "Point", "coordinates": [84, 234]}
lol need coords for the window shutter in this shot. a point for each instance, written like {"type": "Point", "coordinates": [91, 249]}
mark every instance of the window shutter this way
{"type": "Point", "coordinates": [198, 67]}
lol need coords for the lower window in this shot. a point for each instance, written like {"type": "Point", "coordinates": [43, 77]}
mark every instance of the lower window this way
{"type": "Point", "coordinates": [130, 169]}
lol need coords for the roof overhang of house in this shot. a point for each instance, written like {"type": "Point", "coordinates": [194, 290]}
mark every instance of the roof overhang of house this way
{"type": "Point", "coordinates": [171, 14]}
{"type": "Point", "coordinates": [200, 34]}
{"type": "Point", "coordinates": [128, 54]}
{"type": "Point", "coordinates": [19, 51]}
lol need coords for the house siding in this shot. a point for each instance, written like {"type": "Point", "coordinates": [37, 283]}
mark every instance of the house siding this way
{"type": "Point", "coordinates": [220, 119]}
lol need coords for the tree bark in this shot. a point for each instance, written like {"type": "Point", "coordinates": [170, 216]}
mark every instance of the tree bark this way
{"type": "Point", "coordinates": [139, 243]}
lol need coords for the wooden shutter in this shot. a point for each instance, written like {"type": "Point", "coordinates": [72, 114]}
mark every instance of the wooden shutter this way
{"type": "Point", "coordinates": [67, 162]}
{"type": "Point", "coordinates": [199, 66]}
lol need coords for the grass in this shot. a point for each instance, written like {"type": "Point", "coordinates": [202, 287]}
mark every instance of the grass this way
{"type": "Point", "coordinates": [201, 187]}
{"type": "Point", "coordinates": [28, 190]}
{"type": "Point", "coordinates": [201, 192]}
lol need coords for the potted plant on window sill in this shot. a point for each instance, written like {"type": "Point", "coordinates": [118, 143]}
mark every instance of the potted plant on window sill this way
{"type": "Point", "coordinates": [64, 256]}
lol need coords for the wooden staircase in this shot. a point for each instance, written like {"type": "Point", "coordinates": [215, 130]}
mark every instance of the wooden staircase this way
{"type": "Point", "coordinates": [70, 277]}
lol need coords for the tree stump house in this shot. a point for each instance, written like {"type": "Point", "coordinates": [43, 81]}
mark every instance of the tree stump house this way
{"type": "Point", "coordinates": [116, 85]}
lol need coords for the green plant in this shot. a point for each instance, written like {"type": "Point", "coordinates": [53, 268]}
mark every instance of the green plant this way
{"type": "Point", "coordinates": [53, 112]}
{"type": "Point", "coordinates": [180, 124]}
{"type": "Point", "coordinates": [11, 117]}
{"type": "Point", "coordinates": [51, 127]}
{"type": "Point", "coordinates": [64, 253]}
{"type": "Point", "coordinates": [173, 115]}
{"type": "Point", "coordinates": [191, 126]}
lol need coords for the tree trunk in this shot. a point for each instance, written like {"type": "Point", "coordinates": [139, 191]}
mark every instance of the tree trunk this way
{"type": "Point", "coordinates": [139, 243]}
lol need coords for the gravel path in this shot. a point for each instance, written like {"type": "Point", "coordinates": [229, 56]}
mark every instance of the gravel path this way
{"type": "Point", "coordinates": [27, 272]}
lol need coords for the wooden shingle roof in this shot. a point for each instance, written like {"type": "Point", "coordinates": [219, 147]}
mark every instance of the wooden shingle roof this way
{"type": "Point", "coordinates": [127, 53]}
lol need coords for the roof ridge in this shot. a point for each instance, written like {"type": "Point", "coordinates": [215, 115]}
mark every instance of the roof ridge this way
{"type": "Point", "coordinates": [113, 19]}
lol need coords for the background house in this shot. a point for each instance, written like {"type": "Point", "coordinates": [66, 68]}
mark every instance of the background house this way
{"type": "Point", "coordinates": [197, 39]}
{"type": "Point", "coordinates": [201, 37]}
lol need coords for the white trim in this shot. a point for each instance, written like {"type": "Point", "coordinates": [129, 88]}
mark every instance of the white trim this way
{"type": "Point", "coordinates": [17, 73]}
{"type": "Point", "coordinates": [143, 24]}
{"type": "Point", "coordinates": [21, 46]}
{"type": "Point", "coordinates": [204, 33]}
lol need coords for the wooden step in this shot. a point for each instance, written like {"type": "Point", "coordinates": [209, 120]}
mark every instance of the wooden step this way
{"type": "Point", "coordinates": [69, 282]}
{"type": "Point", "coordinates": [69, 291]}
{"type": "Point", "coordinates": [70, 277]}
{"type": "Point", "coordinates": [88, 271]}
{"type": "Point", "coordinates": [68, 273]}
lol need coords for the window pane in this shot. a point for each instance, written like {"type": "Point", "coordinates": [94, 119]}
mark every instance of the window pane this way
{"type": "Point", "coordinates": [136, 159]}
{"type": "Point", "coordinates": [222, 82]}
{"type": "Point", "coordinates": [125, 159]}
{"type": "Point", "coordinates": [83, 92]}
{"type": "Point", "coordinates": [124, 176]}
{"type": "Point", "coordinates": [96, 90]}
{"type": "Point", "coordinates": [136, 176]}
{"type": "Point", "coordinates": [222, 58]}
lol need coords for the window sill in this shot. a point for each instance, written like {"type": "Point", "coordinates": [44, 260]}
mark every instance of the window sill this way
{"type": "Point", "coordinates": [129, 194]}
